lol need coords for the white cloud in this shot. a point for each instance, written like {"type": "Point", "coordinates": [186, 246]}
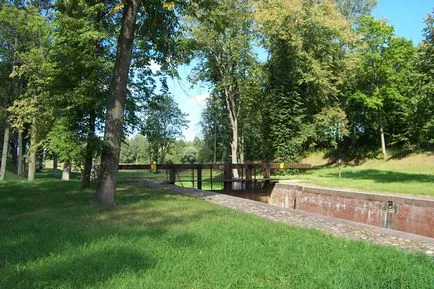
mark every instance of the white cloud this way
{"type": "Point", "coordinates": [154, 66]}
{"type": "Point", "coordinates": [200, 99]}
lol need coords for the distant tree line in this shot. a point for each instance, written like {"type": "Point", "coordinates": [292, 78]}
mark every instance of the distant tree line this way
{"type": "Point", "coordinates": [138, 150]}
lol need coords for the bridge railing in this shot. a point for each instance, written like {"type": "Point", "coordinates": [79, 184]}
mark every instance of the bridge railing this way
{"type": "Point", "coordinates": [250, 174]}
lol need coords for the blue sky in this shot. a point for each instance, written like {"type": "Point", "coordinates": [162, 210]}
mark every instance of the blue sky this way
{"type": "Point", "coordinates": [405, 15]}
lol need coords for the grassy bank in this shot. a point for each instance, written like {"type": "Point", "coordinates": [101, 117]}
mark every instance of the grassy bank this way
{"type": "Point", "coordinates": [52, 238]}
{"type": "Point", "coordinates": [413, 174]}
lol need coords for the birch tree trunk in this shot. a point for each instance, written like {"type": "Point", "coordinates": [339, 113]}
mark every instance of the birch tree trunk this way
{"type": "Point", "coordinates": [233, 119]}
{"type": "Point", "coordinates": [234, 146]}
{"type": "Point", "coordinates": [106, 187]}
{"type": "Point", "coordinates": [4, 153]}
{"type": "Point", "coordinates": [383, 143]}
{"type": "Point", "coordinates": [32, 152]}
{"type": "Point", "coordinates": [20, 171]}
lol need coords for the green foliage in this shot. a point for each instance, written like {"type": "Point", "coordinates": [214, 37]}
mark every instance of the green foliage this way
{"type": "Point", "coordinates": [307, 59]}
{"type": "Point", "coordinates": [382, 85]}
{"type": "Point", "coordinates": [63, 142]}
{"type": "Point", "coordinates": [354, 9]}
{"type": "Point", "coordinates": [329, 62]}
{"type": "Point", "coordinates": [421, 128]}
{"type": "Point", "coordinates": [331, 126]}
{"type": "Point", "coordinates": [222, 33]}
{"type": "Point", "coordinates": [163, 124]}
{"type": "Point", "coordinates": [31, 71]}
{"type": "Point", "coordinates": [334, 77]}
{"type": "Point", "coordinates": [135, 150]}
{"type": "Point", "coordinates": [215, 130]}
{"type": "Point", "coordinates": [189, 155]}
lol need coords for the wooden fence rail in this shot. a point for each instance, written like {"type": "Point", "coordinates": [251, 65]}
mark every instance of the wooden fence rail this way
{"type": "Point", "coordinates": [248, 170]}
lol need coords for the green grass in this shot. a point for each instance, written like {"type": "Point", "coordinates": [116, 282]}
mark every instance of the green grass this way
{"type": "Point", "coordinates": [413, 175]}
{"type": "Point", "coordinates": [392, 181]}
{"type": "Point", "coordinates": [52, 238]}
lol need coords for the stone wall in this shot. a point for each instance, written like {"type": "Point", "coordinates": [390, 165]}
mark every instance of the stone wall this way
{"type": "Point", "coordinates": [404, 213]}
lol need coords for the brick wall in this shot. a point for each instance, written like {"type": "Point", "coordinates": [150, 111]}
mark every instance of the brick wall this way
{"type": "Point", "coordinates": [408, 214]}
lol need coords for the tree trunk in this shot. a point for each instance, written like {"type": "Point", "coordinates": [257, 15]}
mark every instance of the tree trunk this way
{"type": "Point", "coordinates": [20, 165]}
{"type": "Point", "coordinates": [32, 152]}
{"type": "Point", "coordinates": [66, 170]}
{"type": "Point", "coordinates": [55, 164]}
{"type": "Point", "coordinates": [40, 161]}
{"type": "Point", "coordinates": [13, 149]}
{"type": "Point", "coordinates": [4, 153]}
{"type": "Point", "coordinates": [233, 119]}
{"type": "Point", "coordinates": [383, 143]}
{"type": "Point", "coordinates": [234, 146]}
{"type": "Point", "coordinates": [88, 160]}
{"type": "Point", "coordinates": [215, 143]}
{"type": "Point", "coordinates": [106, 187]}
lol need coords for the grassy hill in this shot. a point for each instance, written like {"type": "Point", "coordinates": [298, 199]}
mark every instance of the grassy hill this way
{"type": "Point", "coordinates": [410, 174]}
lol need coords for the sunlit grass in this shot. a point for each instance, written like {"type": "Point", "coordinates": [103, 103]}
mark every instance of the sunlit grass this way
{"type": "Point", "coordinates": [413, 174]}
{"type": "Point", "coordinates": [52, 238]}
{"type": "Point", "coordinates": [370, 180]}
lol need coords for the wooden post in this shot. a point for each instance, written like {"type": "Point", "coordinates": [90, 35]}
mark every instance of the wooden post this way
{"type": "Point", "coordinates": [248, 176]}
{"type": "Point", "coordinates": [227, 177]}
{"type": "Point", "coordinates": [210, 176]}
{"type": "Point", "coordinates": [199, 177]}
{"type": "Point", "coordinates": [266, 172]}
{"type": "Point", "coordinates": [172, 175]}
{"type": "Point", "coordinates": [192, 177]}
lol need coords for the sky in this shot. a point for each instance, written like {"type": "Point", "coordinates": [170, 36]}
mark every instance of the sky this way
{"type": "Point", "coordinates": [405, 15]}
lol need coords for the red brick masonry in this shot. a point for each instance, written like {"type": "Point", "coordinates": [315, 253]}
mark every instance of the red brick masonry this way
{"type": "Point", "coordinates": [403, 213]}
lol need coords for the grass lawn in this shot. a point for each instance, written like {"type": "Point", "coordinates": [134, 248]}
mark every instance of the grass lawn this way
{"type": "Point", "coordinates": [410, 175]}
{"type": "Point", "coordinates": [52, 238]}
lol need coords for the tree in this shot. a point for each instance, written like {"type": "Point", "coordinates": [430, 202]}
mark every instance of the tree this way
{"type": "Point", "coordinates": [65, 144]}
{"type": "Point", "coordinates": [164, 122]}
{"type": "Point", "coordinates": [222, 32]}
{"type": "Point", "coordinates": [135, 150]}
{"type": "Point", "coordinates": [81, 55]}
{"type": "Point", "coordinates": [156, 34]}
{"type": "Point", "coordinates": [382, 84]}
{"type": "Point", "coordinates": [421, 129]}
{"type": "Point", "coordinates": [22, 28]}
{"type": "Point", "coordinates": [354, 9]}
{"type": "Point", "coordinates": [215, 130]}
{"type": "Point", "coordinates": [34, 68]}
{"type": "Point", "coordinates": [331, 127]}
{"type": "Point", "coordinates": [106, 188]}
{"type": "Point", "coordinates": [307, 43]}
{"type": "Point", "coordinates": [189, 155]}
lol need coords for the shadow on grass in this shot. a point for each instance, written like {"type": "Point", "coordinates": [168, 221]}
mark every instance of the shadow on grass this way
{"type": "Point", "coordinates": [52, 236]}
{"type": "Point", "coordinates": [381, 176]}
{"type": "Point", "coordinates": [83, 269]}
